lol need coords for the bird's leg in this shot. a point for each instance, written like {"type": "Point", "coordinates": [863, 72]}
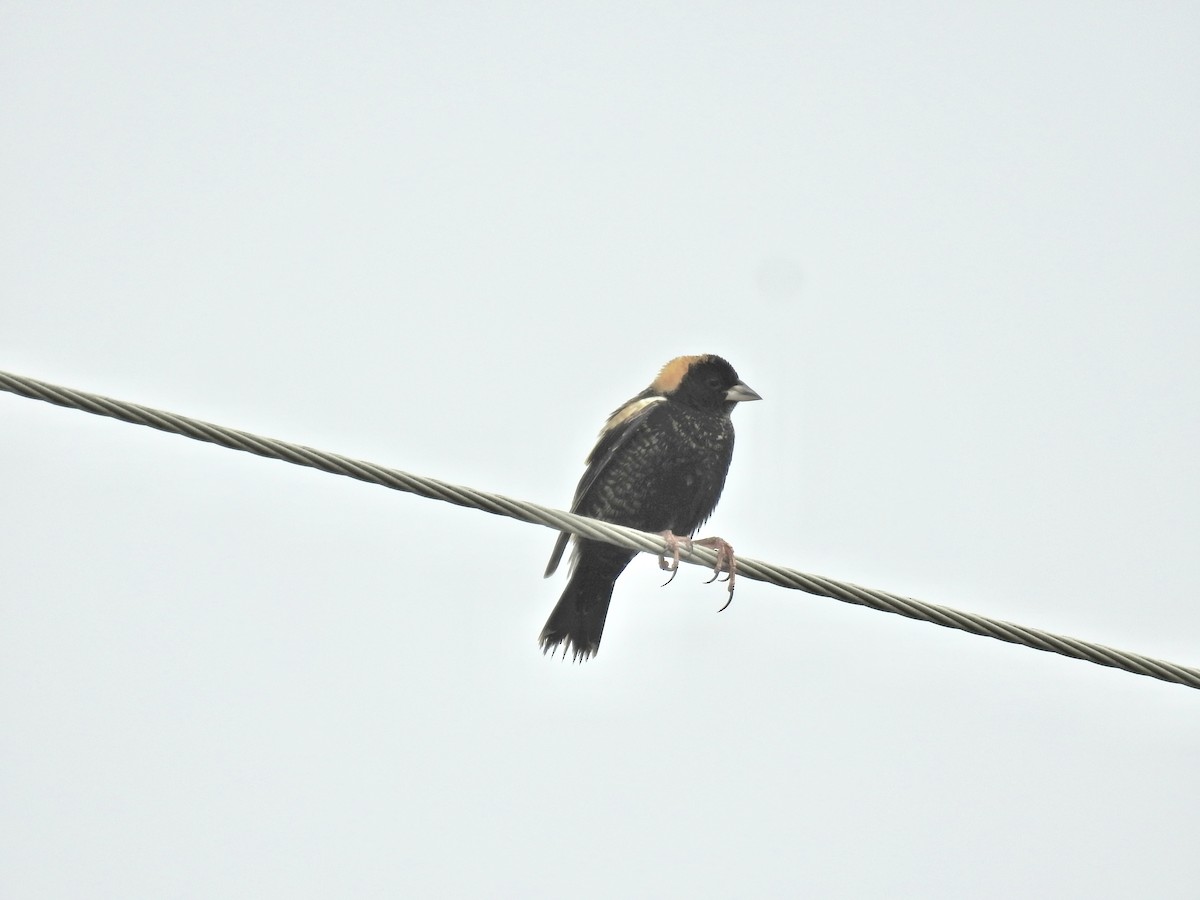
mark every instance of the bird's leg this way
{"type": "Point", "coordinates": [673, 543]}
{"type": "Point", "coordinates": [726, 562]}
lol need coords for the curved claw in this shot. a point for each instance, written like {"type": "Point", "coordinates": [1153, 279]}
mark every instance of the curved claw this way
{"type": "Point", "coordinates": [673, 542]}
{"type": "Point", "coordinates": [726, 564]}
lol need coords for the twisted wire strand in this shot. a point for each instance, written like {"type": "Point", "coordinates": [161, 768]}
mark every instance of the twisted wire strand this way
{"type": "Point", "coordinates": [560, 520]}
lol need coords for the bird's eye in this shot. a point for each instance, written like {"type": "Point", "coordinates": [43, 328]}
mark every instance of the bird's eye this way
{"type": "Point", "coordinates": [714, 383]}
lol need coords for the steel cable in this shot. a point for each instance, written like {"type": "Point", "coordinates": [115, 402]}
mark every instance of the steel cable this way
{"type": "Point", "coordinates": [593, 528]}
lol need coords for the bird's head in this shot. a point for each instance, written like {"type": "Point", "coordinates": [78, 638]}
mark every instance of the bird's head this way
{"type": "Point", "coordinates": [702, 382]}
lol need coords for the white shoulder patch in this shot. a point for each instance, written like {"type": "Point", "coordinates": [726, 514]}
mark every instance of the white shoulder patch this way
{"type": "Point", "coordinates": [628, 411]}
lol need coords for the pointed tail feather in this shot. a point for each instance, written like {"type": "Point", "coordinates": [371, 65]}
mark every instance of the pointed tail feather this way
{"type": "Point", "coordinates": [577, 620]}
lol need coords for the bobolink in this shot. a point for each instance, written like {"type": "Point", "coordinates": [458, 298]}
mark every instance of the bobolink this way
{"type": "Point", "coordinates": [659, 465]}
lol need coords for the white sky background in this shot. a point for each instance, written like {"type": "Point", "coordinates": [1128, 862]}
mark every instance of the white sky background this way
{"type": "Point", "coordinates": [954, 249]}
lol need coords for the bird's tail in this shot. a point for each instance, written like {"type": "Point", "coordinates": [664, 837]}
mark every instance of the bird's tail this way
{"type": "Point", "coordinates": [577, 620]}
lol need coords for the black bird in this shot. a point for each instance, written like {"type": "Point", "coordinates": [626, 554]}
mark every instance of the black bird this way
{"type": "Point", "coordinates": [659, 465]}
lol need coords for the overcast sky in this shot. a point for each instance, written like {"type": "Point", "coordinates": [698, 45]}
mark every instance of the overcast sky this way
{"type": "Point", "coordinates": [954, 248]}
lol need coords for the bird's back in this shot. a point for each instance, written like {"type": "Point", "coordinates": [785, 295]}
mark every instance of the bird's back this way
{"type": "Point", "coordinates": [667, 474]}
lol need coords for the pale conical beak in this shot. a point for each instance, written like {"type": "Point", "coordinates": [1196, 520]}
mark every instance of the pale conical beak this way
{"type": "Point", "coordinates": [740, 393]}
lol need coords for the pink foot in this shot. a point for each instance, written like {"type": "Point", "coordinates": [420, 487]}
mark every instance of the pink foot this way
{"type": "Point", "coordinates": [674, 541]}
{"type": "Point", "coordinates": [726, 562]}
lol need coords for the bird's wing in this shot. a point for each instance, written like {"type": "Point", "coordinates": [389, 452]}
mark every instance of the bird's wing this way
{"type": "Point", "coordinates": [621, 425]}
